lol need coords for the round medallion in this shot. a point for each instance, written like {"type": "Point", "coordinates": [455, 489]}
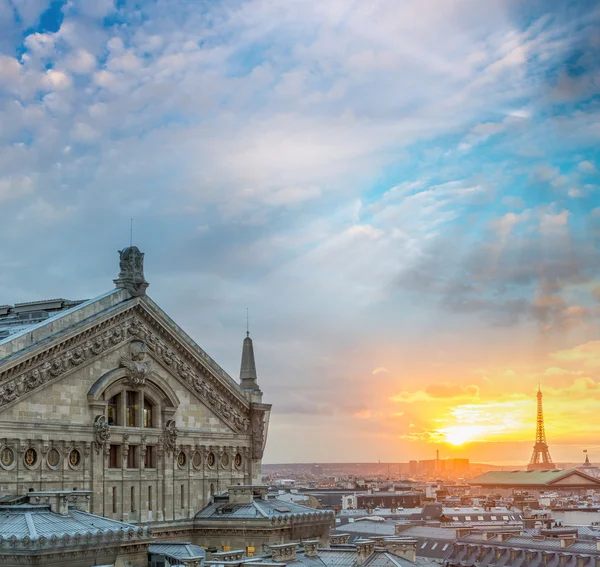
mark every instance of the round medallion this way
{"type": "Point", "coordinates": [210, 460]}
{"type": "Point", "coordinates": [53, 458]}
{"type": "Point", "coordinates": [181, 459]}
{"type": "Point", "coordinates": [30, 458]}
{"type": "Point", "coordinates": [225, 460]}
{"type": "Point", "coordinates": [197, 460]}
{"type": "Point", "coordinates": [237, 461]}
{"type": "Point", "coordinates": [74, 458]}
{"type": "Point", "coordinates": [7, 458]}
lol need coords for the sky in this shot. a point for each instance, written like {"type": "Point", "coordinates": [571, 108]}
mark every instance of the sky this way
{"type": "Point", "coordinates": [404, 194]}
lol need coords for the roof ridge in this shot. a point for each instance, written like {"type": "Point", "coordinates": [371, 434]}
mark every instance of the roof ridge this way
{"type": "Point", "coordinates": [260, 510]}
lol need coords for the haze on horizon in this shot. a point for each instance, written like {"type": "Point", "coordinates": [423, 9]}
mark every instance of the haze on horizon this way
{"type": "Point", "coordinates": [405, 195]}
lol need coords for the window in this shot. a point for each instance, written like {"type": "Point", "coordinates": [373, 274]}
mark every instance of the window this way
{"type": "Point", "coordinates": [455, 518]}
{"type": "Point", "coordinates": [445, 547]}
{"type": "Point", "coordinates": [132, 457]}
{"type": "Point", "coordinates": [505, 518]}
{"type": "Point", "coordinates": [182, 496]}
{"type": "Point", "coordinates": [112, 411]}
{"type": "Point", "coordinates": [423, 545]}
{"type": "Point", "coordinates": [114, 499]}
{"type": "Point", "coordinates": [132, 408]}
{"type": "Point", "coordinates": [149, 498]}
{"type": "Point", "coordinates": [468, 518]}
{"type": "Point", "coordinates": [114, 457]}
{"type": "Point", "coordinates": [148, 410]}
{"type": "Point", "coordinates": [149, 458]}
{"type": "Point", "coordinates": [434, 546]}
{"type": "Point", "coordinates": [480, 518]}
{"type": "Point", "coordinates": [494, 518]}
{"type": "Point", "coordinates": [133, 499]}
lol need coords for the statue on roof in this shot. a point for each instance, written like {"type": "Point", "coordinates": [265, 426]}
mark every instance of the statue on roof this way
{"type": "Point", "coordinates": [131, 276]}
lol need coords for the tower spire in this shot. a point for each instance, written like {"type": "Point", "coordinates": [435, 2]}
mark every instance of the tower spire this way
{"type": "Point", "coordinates": [248, 378]}
{"type": "Point", "coordinates": [540, 459]}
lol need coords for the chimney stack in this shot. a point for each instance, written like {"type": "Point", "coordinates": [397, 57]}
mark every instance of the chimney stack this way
{"type": "Point", "coordinates": [364, 549]}
{"type": "Point", "coordinates": [310, 547]}
{"type": "Point", "coordinates": [284, 552]}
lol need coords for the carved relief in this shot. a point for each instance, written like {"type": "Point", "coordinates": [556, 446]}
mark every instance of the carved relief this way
{"type": "Point", "coordinates": [260, 416]}
{"type": "Point", "coordinates": [101, 432]}
{"type": "Point", "coordinates": [219, 403]}
{"type": "Point", "coordinates": [169, 437]}
{"type": "Point", "coordinates": [57, 364]}
{"type": "Point", "coordinates": [137, 365]}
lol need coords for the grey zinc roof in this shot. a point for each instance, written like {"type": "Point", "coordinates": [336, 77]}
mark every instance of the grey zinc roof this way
{"type": "Point", "coordinates": [337, 557]}
{"type": "Point", "coordinates": [35, 522]}
{"type": "Point", "coordinates": [385, 559]}
{"type": "Point", "coordinates": [257, 510]}
{"type": "Point", "coordinates": [177, 550]}
{"type": "Point", "coordinates": [527, 542]}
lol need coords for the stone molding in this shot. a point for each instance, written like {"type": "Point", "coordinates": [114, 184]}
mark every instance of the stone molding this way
{"type": "Point", "coordinates": [60, 359]}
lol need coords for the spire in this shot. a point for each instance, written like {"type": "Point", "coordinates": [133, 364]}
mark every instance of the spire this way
{"type": "Point", "coordinates": [248, 368]}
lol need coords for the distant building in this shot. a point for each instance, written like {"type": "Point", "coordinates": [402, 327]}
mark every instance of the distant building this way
{"type": "Point", "coordinates": [509, 482]}
{"type": "Point", "coordinates": [508, 549]}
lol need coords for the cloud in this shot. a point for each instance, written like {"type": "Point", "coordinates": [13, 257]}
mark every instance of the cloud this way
{"type": "Point", "coordinates": [437, 392]}
{"type": "Point", "coordinates": [587, 166]}
{"type": "Point", "coordinates": [587, 354]}
{"type": "Point", "coordinates": [380, 370]}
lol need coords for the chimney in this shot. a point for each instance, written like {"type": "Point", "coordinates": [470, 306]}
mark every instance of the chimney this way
{"type": "Point", "coordinates": [462, 532]}
{"type": "Point", "coordinates": [241, 494]}
{"type": "Point", "coordinates": [598, 545]}
{"type": "Point", "coordinates": [338, 539]}
{"type": "Point", "coordinates": [59, 500]}
{"type": "Point", "coordinates": [233, 555]}
{"type": "Point", "coordinates": [284, 552]}
{"type": "Point", "coordinates": [310, 547]}
{"type": "Point", "coordinates": [364, 549]}
{"type": "Point", "coordinates": [402, 547]}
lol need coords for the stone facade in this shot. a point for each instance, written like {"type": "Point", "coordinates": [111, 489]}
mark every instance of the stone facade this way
{"type": "Point", "coordinates": [113, 397]}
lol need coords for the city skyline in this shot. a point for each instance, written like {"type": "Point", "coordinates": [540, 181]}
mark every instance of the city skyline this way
{"type": "Point", "coordinates": [405, 196]}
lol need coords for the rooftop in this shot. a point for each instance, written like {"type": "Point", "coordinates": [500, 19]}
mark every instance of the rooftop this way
{"type": "Point", "coordinates": [259, 509]}
{"type": "Point", "coordinates": [21, 316]}
{"type": "Point", "coordinates": [46, 519]}
{"type": "Point", "coordinates": [530, 478]}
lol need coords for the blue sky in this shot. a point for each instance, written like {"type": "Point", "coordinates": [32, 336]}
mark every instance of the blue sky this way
{"type": "Point", "coordinates": [404, 193]}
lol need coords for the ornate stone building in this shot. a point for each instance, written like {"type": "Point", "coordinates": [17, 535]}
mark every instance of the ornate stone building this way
{"type": "Point", "coordinates": [110, 395]}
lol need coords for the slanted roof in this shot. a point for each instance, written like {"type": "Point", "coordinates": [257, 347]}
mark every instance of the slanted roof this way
{"type": "Point", "coordinates": [258, 509]}
{"type": "Point", "coordinates": [535, 478]}
{"type": "Point", "coordinates": [178, 550]}
{"type": "Point", "coordinates": [26, 523]}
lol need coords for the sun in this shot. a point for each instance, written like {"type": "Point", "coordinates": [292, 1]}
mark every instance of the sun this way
{"type": "Point", "coordinates": [461, 434]}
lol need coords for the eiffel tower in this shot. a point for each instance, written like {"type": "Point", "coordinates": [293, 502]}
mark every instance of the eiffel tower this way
{"type": "Point", "coordinates": [540, 460]}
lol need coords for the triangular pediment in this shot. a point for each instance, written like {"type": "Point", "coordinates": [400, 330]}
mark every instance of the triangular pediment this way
{"type": "Point", "coordinates": [575, 478]}
{"type": "Point", "coordinates": [84, 340]}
